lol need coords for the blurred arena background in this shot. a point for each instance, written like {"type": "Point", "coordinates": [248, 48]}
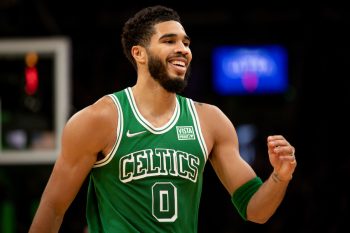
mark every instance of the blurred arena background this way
{"type": "Point", "coordinates": [312, 111]}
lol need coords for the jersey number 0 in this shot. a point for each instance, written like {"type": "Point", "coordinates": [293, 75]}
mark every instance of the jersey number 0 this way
{"type": "Point", "coordinates": [164, 202]}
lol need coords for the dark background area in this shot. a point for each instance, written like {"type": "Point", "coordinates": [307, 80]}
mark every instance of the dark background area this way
{"type": "Point", "coordinates": [312, 114]}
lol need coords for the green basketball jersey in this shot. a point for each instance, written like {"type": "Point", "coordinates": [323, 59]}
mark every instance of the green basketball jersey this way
{"type": "Point", "coordinates": [152, 179]}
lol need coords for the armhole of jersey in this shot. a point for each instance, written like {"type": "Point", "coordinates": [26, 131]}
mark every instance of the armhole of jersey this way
{"type": "Point", "coordinates": [110, 155]}
{"type": "Point", "coordinates": [197, 127]}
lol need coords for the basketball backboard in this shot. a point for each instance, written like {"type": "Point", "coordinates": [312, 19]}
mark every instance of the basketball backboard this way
{"type": "Point", "coordinates": [34, 98]}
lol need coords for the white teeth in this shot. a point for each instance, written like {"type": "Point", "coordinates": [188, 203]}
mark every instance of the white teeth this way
{"type": "Point", "coordinates": [179, 63]}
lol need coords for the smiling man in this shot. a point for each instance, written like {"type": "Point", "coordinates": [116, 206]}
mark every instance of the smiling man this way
{"type": "Point", "coordinates": [144, 148]}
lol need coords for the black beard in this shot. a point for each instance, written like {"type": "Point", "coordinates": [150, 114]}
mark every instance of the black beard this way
{"type": "Point", "coordinates": [159, 73]}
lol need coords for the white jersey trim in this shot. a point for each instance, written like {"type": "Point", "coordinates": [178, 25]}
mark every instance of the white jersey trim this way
{"type": "Point", "coordinates": [198, 128]}
{"type": "Point", "coordinates": [110, 155]}
{"type": "Point", "coordinates": [155, 130]}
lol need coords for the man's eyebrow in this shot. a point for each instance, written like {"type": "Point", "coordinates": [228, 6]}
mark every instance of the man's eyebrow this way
{"type": "Point", "coordinates": [173, 35]}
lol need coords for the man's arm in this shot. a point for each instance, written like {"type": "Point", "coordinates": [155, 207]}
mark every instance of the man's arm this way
{"type": "Point", "coordinates": [269, 196]}
{"type": "Point", "coordinates": [234, 172]}
{"type": "Point", "coordinates": [84, 136]}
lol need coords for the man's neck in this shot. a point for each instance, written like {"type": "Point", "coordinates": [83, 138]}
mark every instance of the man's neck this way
{"type": "Point", "coordinates": [154, 103]}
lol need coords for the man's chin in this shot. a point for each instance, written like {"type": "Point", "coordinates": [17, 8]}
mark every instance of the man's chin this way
{"type": "Point", "coordinates": [174, 85]}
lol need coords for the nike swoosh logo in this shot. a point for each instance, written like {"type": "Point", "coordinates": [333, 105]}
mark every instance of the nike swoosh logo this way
{"type": "Point", "coordinates": [129, 135]}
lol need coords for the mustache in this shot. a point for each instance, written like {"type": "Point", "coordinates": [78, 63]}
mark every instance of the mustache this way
{"type": "Point", "coordinates": [178, 55]}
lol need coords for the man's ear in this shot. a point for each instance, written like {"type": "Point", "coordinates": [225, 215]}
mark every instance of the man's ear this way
{"type": "Point", "coordinates": [139, 54]}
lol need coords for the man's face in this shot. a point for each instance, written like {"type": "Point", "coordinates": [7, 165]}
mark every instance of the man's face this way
{"type": "Point", "coordinates": [158, 71]}
{"type": "Point", "coordinates": [169, 56]}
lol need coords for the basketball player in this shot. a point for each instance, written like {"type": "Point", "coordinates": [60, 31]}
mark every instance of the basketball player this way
{"type": "Point", "coordinates": [144, 148]}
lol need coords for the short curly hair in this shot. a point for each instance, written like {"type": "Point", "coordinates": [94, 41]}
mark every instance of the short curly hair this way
{"type": "Point", "coordinates": [139, 29]}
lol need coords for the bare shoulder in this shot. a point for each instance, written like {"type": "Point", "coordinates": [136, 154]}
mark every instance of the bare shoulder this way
{"type": "Point", "coordinates": [216, 126]}
{"type": "Point", "coordinates": [209, 113]}
{"type": "Point", "coordinates": [93, 125]}
{"type": "Point", "coordinates": [99, 113]}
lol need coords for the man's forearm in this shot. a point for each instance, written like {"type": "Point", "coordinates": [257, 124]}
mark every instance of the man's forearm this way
{"type": "Point", "coordinates": [46, 221]}
{"type": "Point", "coordinates": [266, 200]}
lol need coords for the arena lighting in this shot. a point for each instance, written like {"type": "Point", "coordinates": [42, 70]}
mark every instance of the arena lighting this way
{"type": "Point", "coordinates": [250, 70]}
{"type": "Point", "coordinates": [31, 73]}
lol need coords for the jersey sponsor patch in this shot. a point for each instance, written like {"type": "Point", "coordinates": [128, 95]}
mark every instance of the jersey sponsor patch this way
{"type": "Point", "coordinates": [185, 133]}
